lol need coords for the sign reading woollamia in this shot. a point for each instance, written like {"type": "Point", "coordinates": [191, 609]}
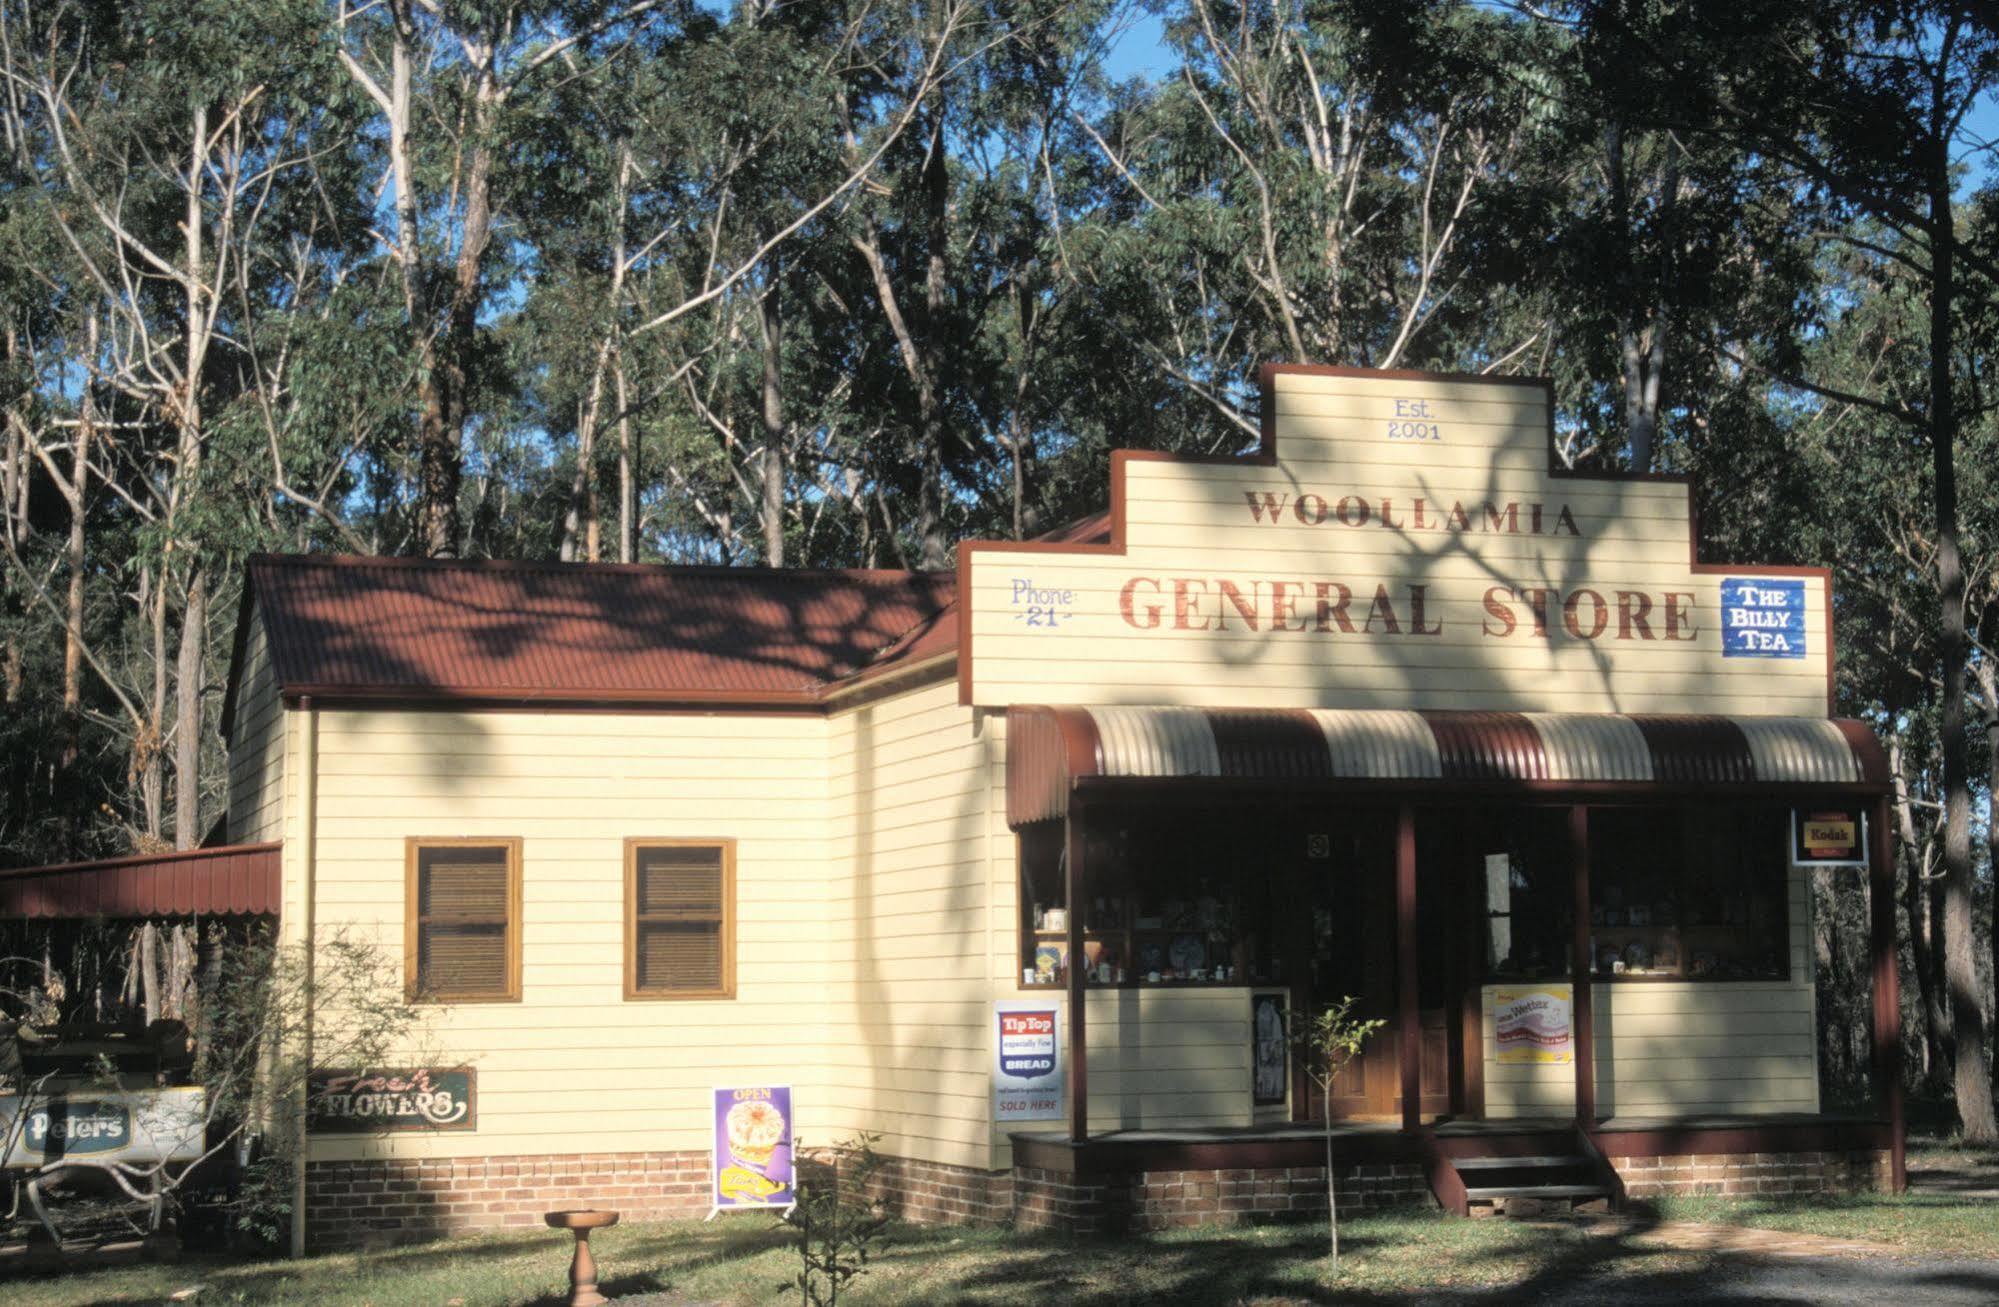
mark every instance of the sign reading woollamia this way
{"type": "Point", "coordinates": [370, 1101]}
{"type": "Point", "coordinates": [1352, 564]}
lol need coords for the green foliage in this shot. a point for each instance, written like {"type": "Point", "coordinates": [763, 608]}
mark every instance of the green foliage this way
{"type": "Point", "coordinates": [836, 1220]}
{"type": "Point", "coordinates": [1327, 1043]}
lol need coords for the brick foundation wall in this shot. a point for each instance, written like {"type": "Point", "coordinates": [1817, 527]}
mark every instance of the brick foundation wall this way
{"type": "Point", "coordinates": [1113, 1202]}
{"type": "Point", "coordinates": [398, 1201]}
{"type": "Point", "coordinates": [936, 1193]}
{"type": "Point", "coordinates": [1746, 1174]}
{"type": "Point", "coordinates": [407, 1200]}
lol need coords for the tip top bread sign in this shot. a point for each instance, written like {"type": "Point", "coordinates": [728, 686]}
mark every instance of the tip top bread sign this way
{"type": "Point", "coordinates": [1401, 541]}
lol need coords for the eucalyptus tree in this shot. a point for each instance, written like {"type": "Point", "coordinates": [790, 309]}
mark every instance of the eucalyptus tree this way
{"type": "Point", "coordinates": [157, 144]}
{"type": "Point", "coordinates": [1329, 180]}
{"type": "Point", "coordinates": [1862, 105]}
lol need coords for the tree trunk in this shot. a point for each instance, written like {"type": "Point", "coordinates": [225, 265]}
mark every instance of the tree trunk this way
{"type": "Point", "coordinates": [442, 431]}
{"type": "Point", "coordinates": [1971, 1080]}
{"type": "Point", "coordinates": [1914, 906]}
{"type": "Point", "coordinates": [1988, 681]}
{"type": "Point", "coordinates": [190, 675]}
{"type": "Point", "coordinates": [627, 466]}
{"type": "Point", "coordinates": [770, 320]}
{"type": "Point", "coordinates": [930, 415]}
{"type": "Point", "coordinates": [72, 642]}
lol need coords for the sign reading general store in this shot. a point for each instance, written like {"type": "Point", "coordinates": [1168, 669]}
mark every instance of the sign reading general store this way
{"type": "Point", "coordinates": [1416, 526]}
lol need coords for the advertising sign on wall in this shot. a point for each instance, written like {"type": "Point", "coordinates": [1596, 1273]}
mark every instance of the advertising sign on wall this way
{"type": "Point", "coordinates": [1534, 1023]}
{"type": "Point", "coordinates": [1828, 837]}
{"type": "Point", "coordinates": [1762, 619]}
{"type": "Point", "coordinates": [111, 1125]}
{"type": "Point", "coordinates": [370, 1101]}
{"type": "Point", "coordinates": [753, 1166]}
{"type": "Point", "coordinates": [1027, 1071]}
{"type": "Point", "coordinates": [1271, 1038]}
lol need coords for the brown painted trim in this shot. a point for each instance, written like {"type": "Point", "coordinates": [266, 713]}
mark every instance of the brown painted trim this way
{"type": "Point", "coordinates": [1266, 455]}
{"type": "Point", "coordinates": [633, 993]}
{"type": "Point", "coordinates": [412, 848]}
{"type": "Point", "coordinates": [1271, 370]}
{"type": "Point", "coordinates": [1250, 1151]}
{"type": "Point", "coordinates": [1409, 1024]}
{"type": "Point", "coordinates": [1784, 1137]}
{"type": "Point", "coordinates": [1079, 1057]}
{"type": "Point", "coordinates": [1867, 750]}
{"type": "Point", "coordinates": [1446, 1185]}
{"type": "Point", "coordinates": [460, 697]}
{"type": "Point", "coordinates": [1582, 1010]}
{"type": "Point", "coordinates": [1887, 1015]}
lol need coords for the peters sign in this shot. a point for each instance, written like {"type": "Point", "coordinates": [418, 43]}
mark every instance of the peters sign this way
{"type": "Point", "coordinates": [1401, 541]}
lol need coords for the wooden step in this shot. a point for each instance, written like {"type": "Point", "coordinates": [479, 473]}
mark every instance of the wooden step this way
{"type": "Point", "coordinates": [1537, 1191]}
{"type": "Point", "coordinates": [1512, 1163]}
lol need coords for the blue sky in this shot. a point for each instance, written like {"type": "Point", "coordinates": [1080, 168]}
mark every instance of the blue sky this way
{"type": "Point", "coordinates": [1141, 52]}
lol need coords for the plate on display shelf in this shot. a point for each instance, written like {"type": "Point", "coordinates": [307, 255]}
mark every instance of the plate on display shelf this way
{"type": "Point", "coordinates": [1188, 953]}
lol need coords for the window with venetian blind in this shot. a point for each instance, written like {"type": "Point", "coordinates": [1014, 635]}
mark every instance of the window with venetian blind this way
{"type": "Point", "coordinates": [463, 927]}
{"type": "Point", "coordinates": [680, 919]}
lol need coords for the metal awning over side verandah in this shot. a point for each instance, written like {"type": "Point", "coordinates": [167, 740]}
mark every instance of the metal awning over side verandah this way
{"type": "Point", "coordinates": [1057, 756]}
{"type": "Point", "coordinates": [242, 880]}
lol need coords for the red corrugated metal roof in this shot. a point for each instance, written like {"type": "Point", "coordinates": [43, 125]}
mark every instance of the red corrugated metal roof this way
{"type": "Point", "coordinates": [412, 630]}
{"type": "Point", "coordinates": [233, 880]}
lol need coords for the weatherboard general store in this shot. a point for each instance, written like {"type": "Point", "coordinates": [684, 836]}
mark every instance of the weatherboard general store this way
{"type": "Point", "coordinates": [1026, 868]}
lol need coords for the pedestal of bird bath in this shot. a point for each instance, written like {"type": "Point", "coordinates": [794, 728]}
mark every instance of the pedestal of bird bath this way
{"type": "Point", "coordinates": [582, 1267]}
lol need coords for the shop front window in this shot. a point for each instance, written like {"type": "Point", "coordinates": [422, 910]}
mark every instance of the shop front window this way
{"type": "Point", "coordinates": [1689, 893]}
{"type": "Point", "coordinates": [1524, 872]}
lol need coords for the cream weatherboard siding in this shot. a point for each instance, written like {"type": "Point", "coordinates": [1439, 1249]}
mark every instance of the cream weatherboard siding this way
{"type": "Point", "coordinates": [1666, 1048]}
{"type": "Point", "coordinates": [573, 1066]}
{"type": "Point", "coordinates": [920, 841]}
{"type": "Point", "coordinates": [257, 746]}
{"type": "Point", "coordinates": [1161, 1058]}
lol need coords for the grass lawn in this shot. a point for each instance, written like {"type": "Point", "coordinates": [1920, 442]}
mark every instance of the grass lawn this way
{"type": "Point", "coordinates": [1936, 1225]}
{"type": "Point", "coordinates": [745, 1260]}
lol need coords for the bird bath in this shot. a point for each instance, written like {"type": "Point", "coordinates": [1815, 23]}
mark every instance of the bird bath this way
{"type": "Point", "coordinates": [582, 1267]}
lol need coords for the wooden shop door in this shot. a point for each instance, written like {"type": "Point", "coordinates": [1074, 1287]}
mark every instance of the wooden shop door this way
{"type": "Point", "coordinates": [1350, 946]}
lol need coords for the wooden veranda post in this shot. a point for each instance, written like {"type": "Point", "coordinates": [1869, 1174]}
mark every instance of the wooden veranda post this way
{"type": "Point", "coordinates": [1887, 1014]}
{"type": "Point", "coordinates": [1079, 1070]}
{"type": "Point", "coordinates": [1582, 1009]}
{"type": "Point", "coordinates": [1408, 1019]}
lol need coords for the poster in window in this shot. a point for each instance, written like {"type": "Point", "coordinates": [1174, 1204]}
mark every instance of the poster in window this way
{"type": "Point", "coordinates": [1027, 1062]}
{"type": "Point", "coordinates": [752, 1158]}
{"type": "Point", "coordinates": [1272, 1049]}
{"type": "Point", "coordinates": [1533, 1023]}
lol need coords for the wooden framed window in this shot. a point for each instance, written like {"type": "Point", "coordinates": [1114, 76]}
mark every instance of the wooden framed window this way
{"type": "Point", "coordinates": [462, 932]}
{"type": "Point", "coordinates": [680, 918]}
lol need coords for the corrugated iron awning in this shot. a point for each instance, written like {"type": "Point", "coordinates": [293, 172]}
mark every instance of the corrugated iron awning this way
{"type": "Point", "coordinates": [233, 880]}
{"type": "Point", "coordinates": [1051, 748]}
